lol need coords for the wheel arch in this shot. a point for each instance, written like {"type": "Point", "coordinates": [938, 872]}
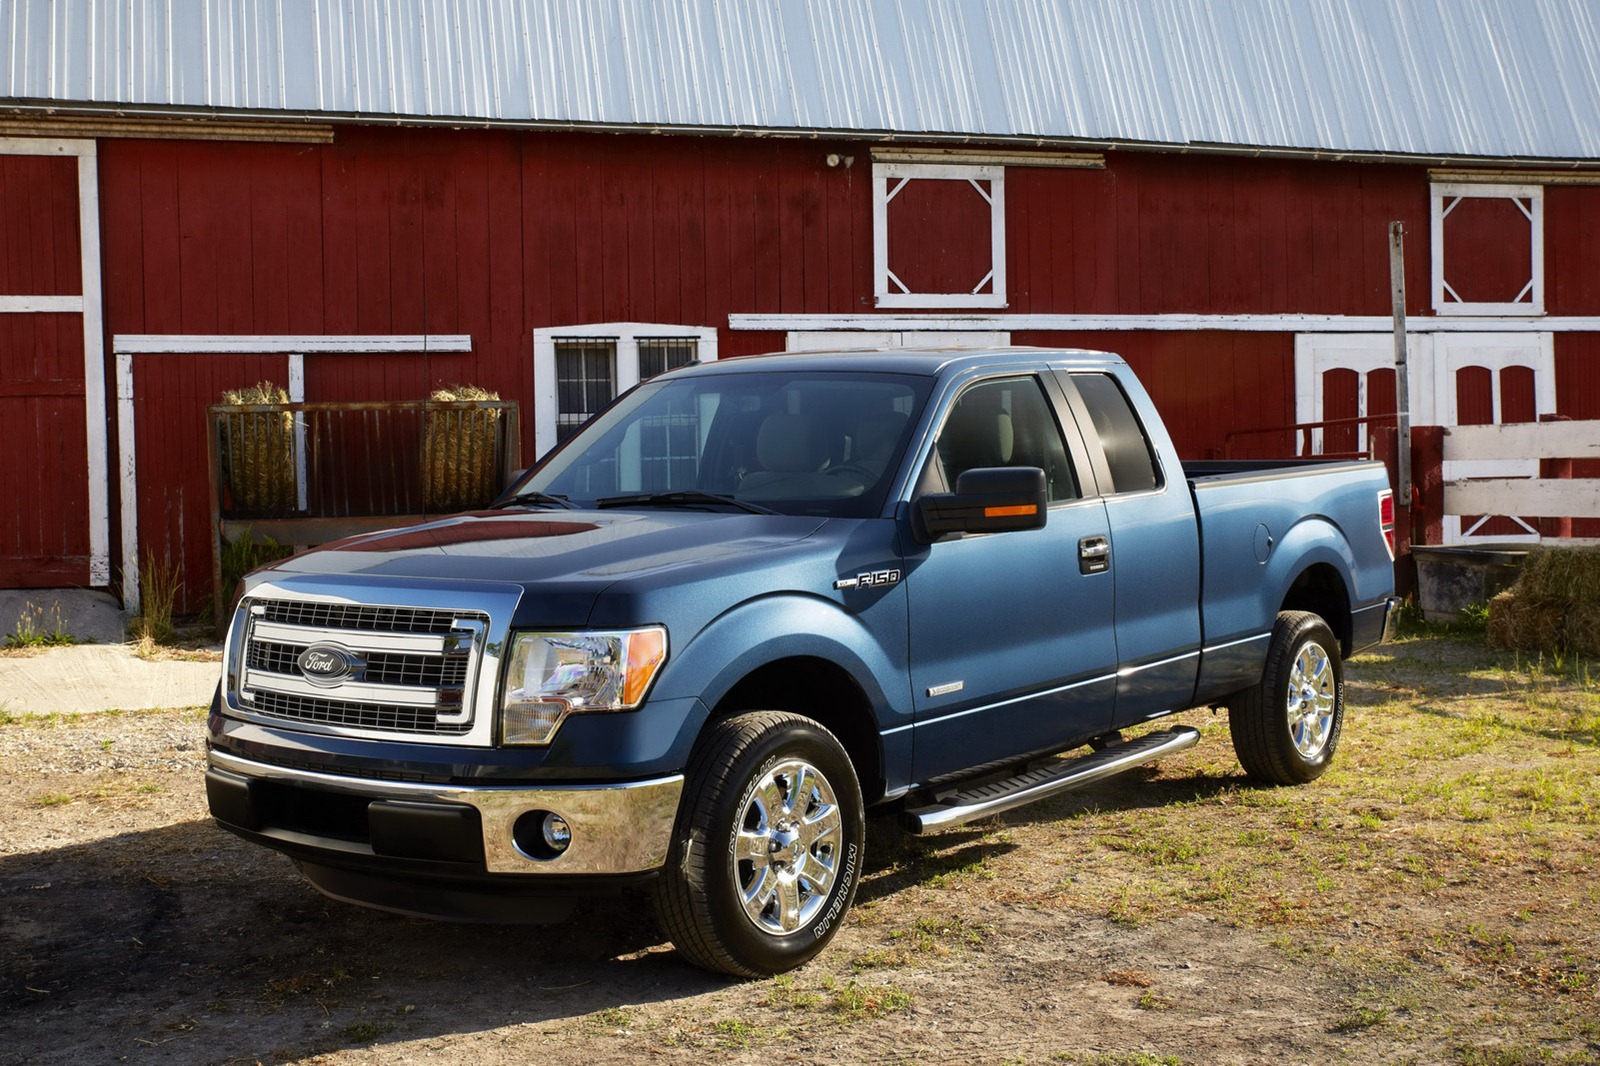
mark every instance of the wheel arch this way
{"type": "Point", "coordinates": [822, 690]}
{"type": "Point", "coordinates": [1321, 589]}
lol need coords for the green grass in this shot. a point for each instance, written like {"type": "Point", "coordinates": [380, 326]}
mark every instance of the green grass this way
{"type": "Point", "coordinates": [38, 627]}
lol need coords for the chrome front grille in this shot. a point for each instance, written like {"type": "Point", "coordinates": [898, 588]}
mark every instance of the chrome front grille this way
{"type": "Point", "coordinates": [375, 716]}
{"type": "Point", "coordinates": [358, 616]}
{"type": "Point", "coordinates": [399, 670]}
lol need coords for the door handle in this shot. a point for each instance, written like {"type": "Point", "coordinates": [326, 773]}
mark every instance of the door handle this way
{"type": "Point", "coordinates": [1094, 555]}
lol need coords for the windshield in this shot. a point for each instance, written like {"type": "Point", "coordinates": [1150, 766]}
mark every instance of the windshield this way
{"type": "Point", "coordinates": [792, 442]}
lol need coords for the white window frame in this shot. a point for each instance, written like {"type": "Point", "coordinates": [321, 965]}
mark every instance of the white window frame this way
{"type": "Point", "coordinates": [627, 336]}
{"type": "Point", "coordinates": [1444, 196]}
{"type": "Point", "coordinates": [887, 181]}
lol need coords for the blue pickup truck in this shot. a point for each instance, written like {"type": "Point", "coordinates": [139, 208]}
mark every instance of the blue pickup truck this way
{"type": "Point", "coordinates": [755, 600]}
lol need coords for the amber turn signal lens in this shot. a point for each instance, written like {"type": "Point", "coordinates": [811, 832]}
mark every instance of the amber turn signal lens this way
{"type": "Point", "coordinates": [646, 649]}
{"type": "Point", "coordinates": [1011, 512]}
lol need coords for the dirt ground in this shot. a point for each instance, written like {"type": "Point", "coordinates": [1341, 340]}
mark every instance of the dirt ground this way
{"type": "Point", "coordinates": [1432, 900]}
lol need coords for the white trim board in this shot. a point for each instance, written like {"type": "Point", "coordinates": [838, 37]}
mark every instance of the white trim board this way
{"type": "Point", "coordinates": [40, 305]}
{"type": "Point", "coordinates": [1227, 323]}
{"type": "Point", "coordinates": [269, 344]}
{"type": "Point", "coordinates": [86, 303]}
{"type": "Point", "coordinates": [1445, 299]}
{"type": "Point", "coordinates": [127, 345]}
{"type": "Point", "coordinates": [884, 279]}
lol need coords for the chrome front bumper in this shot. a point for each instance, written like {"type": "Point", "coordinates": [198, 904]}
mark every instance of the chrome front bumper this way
{"type": "Point", "coordinates": [622, 828]}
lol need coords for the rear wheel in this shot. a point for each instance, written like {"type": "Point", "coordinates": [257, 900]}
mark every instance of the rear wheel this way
{"type": "Point", "coordinates": [1286, 729]}
{"type": "Point", "coordinates": [767, 850]}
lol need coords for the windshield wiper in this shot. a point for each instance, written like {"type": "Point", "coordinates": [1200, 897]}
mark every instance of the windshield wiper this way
{"type": "Point", "coordinates": [534, 496]}
{"type": "Point", "coordinates": [684, 498]}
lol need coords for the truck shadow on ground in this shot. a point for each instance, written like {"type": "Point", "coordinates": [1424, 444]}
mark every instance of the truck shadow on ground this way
{"type": "Point", "coordinates": [184, 944]}
{"type": "Point", "coordinates": [896, 860]}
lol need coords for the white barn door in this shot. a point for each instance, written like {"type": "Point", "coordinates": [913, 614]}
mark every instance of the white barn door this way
{"type": "Point", "coordinates": [1493, 379]}
{"type": "Point", "coordinates": [1456, 379]}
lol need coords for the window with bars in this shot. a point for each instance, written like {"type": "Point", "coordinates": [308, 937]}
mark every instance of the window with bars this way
{"type": "Point", "coordinates": [657, 355]}
{"type": "Point", "coordinates": [578, 370]}
{"type": "Point", "coordinates": [586, 380]}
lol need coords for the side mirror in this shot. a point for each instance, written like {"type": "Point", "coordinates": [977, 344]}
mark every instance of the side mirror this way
{"type": "Point", "coordinates": [988, 499]}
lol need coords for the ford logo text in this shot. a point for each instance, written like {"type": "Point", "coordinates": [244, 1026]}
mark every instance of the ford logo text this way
{"type": "Point", "coordinates": [325, 664]}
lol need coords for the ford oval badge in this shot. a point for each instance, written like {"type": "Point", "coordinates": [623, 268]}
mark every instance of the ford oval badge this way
{"type": "Point", "coordinates": [326, 664]}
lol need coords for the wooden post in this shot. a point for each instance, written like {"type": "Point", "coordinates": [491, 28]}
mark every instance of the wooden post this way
{"type": "Point", "coordinates": [1385, 449]}
{"type": "Point", "coordinates": [1402, 376]}
{"type": "Point", "coordinates": [214, 422]}
{"type": "Point", "coordinates": [1427, 455]}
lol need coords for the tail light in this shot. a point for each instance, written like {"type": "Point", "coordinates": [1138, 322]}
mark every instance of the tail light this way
{"type": "Point", "coordinates": [1386, 519]}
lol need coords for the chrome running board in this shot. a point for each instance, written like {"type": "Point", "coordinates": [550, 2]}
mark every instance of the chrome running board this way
{"type": "Point", "coordinates": [998, 796]}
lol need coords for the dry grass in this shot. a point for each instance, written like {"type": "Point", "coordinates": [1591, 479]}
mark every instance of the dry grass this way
{"type": "Point", "coordinates": [1554, 606]}
{"type": "Point", "coordinates": [258, 452]}
{"type": "Point", "coordinates": [458, 459]}
{"type": "Point", "coordinates": [1431, 899]}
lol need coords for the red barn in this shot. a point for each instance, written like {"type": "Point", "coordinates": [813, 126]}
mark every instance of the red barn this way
{"type": "Point", "coordinates": [552, 201]}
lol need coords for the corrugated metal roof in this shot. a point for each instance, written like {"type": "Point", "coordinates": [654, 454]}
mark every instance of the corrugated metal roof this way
{"type": "Point", "coordinates": [1491, 78]}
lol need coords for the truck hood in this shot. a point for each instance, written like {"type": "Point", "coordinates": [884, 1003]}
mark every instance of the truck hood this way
{"type": "Point", "coordinates": [569, 549]}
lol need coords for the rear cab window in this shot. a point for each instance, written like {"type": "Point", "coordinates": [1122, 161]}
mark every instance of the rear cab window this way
{"type": "Point", "coordinates": [1130, 460]}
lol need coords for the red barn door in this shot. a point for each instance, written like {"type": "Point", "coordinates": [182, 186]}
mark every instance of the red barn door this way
{"type": "Point", "coordinates": [53, 518]}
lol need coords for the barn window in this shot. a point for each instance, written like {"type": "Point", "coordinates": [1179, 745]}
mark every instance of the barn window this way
{"type": "Point", "coordinates": [938, 235]}
{"type": "Point", "coordinates": [1488, 249]}
{"type": "Point", "coordinates": [586, 380]}
{"type": "Point", "coordinates": [580, 369]}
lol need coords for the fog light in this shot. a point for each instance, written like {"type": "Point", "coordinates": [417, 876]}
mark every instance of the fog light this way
{"type": "Point", "coordinates": [557, 833]}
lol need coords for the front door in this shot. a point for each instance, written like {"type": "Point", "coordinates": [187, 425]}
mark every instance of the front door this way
{"type": "Point", "coordinates": [1012, 646]}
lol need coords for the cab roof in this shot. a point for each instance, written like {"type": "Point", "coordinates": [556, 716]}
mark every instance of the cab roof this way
{"type": "Point", "coordinates": [928, 362]}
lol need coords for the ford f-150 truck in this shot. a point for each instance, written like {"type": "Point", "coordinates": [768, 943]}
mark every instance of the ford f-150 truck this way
{"type": "Point", "coordinates": [752, 601]}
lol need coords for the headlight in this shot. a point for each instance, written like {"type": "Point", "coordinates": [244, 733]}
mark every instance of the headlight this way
{"type": "Point", "coordinates": [552, 675]}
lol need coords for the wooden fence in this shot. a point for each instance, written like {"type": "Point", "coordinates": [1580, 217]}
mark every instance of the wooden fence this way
{"type": "Point", "coordinates": [1559, 447]}
{"type": "Point", "coordinates": [308, 473]}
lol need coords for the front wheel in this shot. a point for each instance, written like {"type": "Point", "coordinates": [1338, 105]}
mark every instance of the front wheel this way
{"type": "Point", "coordinates": [767, 851]}
{"type": "Point", "coordinates": [1286, 729]}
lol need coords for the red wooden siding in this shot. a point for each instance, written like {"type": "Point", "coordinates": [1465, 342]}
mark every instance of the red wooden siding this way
{"type": "Point", "coordinates": [1162, 234]}
{"type": "Point", "coordinates": [496, 234]}
{"type": "Point", "coordinates": [1488, 250]}
{"type": "Point", "coordinates": [39, 226]}
{"type": "Point", "coordinates": [1572, 253]}
{"type": "Point", "coordinates": [44, 520]}
{"type": "Point", "coordinates": [171, 393]}
{"type": "Point", "coordinates": [44, 510]}
{"type": "Point", "coordinates": [939, 236]}
{"type": "Point", "coordinates": [1205, 384]}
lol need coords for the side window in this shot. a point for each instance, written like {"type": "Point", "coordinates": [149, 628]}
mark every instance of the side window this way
{"type": "Point", "coordinates": [1128, 452]}
{"type": "Point", "coordinates": [1006, 423]}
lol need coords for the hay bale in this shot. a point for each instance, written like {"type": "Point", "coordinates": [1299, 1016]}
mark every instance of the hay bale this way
{"type": "Point", "coordinates": [459, 465]}
{"type": "Point", "coordinates": [1503, 627]}
{"type": "Point", "coordinates": [1555, 604]}
{"type": "Point", "coordinates": [1583, 629]}
{"type": "Point", "coordinates": [258, 452]}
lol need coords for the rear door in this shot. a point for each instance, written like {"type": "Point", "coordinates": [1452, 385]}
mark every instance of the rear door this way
{"type": "Point", "coordinates": [1012, 647]}
{"type": "Point", "coordinates": [1155, 546]}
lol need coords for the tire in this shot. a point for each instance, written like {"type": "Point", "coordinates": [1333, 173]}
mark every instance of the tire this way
{"type": "Point", "coordinates": [767, 851]}
{"type": "Point", "coordinates": [1286, 729]}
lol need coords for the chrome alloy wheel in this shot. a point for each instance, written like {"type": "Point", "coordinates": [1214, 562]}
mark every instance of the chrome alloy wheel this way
{"type": "Point", "coordinates": [786, 851]}
{"type": "Point", "coordinates": [1311, 699]}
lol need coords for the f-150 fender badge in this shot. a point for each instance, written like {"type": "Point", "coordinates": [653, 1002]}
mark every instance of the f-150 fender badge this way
{"type": "Point", "coordinates": [876, 579]}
